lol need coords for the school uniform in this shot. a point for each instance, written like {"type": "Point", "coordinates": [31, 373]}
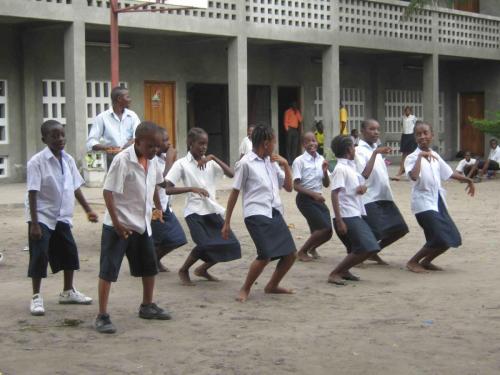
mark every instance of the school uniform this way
{"type": "Point", "coordinates": [382, 214]}
{"type": "Point", "coordinates": [245, 146]}
{"type": "Point", "coordinates": [203, 215]}
{"type": "Point", "coordinates": [259, 180]}
{"type": "Point", "coordinates": [428, 201]}
{"type": "Point", "coordinates": [464, 166]}
{"type": "Point", "coordinates": [359, 237]}
{"type": "Point", "coordinates": [55, 182]}
{"type": "Point", "coordinates": [133, 187]}
{"type": "Point", "coordinates": [308, 169]}
{"type": "Point", "coordinates": [169, 234]}
{"type": "Point", "coordinates": [408, 143]}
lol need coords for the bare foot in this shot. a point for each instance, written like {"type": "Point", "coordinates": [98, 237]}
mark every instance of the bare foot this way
{"type": "Point", "coordinates": [396, 178]}
{"type": "Point", "coordinates": [201, 272]}
{"type": "Point", "coordinates": [430, 267]}
{"type": "Point", "coordinates": [303, 257]}
{"type": "Point", "coordinates": [314, 254]}
{"type": "Point", "coordinates": [415, 267]}
{"type": "Point", "coordinates": [349, 276]}
{"type": "Point", "coordinates": [162, 268]}
{"type": "Point", "coordinates": [278, 290]}
{"type": "Point", "coordinates": [185, 279]}
{"type": "Point", "coordinates": [335, 279]}
{"type": "Point", "coordinates": [376, 258]}
{"type": "Point", "coordinates": [242, 295]}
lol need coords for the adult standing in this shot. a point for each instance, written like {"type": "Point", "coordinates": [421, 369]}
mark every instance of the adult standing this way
{"type": "Point", "coordinates": [344, 116]}
{"type": "Point", "coordinates": [114, 129]}
{"type": "Point", "coordinates": [408, 144]}
{"type": "Point", "coordinates": [292, 122]}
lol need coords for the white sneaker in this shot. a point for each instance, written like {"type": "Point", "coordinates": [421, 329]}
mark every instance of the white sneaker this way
{"type": "Point", "coordinates": [36, 305]}
{"type": "Point", "coordinates": [73, 296]}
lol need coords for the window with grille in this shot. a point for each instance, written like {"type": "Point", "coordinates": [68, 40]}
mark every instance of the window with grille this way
{"type": "Point", "coordinates": [4, 166]}
{"type": "Point", "coordinates": [4, 116]}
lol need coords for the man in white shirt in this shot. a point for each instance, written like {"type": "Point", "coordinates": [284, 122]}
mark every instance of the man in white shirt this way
{"type": "Point", "coordinates": [246, 143]}
{"type": "Point", "coordinates": [114, 129]}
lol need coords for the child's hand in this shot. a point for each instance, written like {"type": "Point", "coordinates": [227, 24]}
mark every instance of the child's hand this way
{"type": "Point", "coordinates": [201, 192]}
{"type": "Point", "coordinates": [226, 229]}
{"type": "Point", "coordinates": [470, 188]}
{"type": "Point", "coordinates": [325, 166]}
{"type": "Point", "coordinates": [113, 150]}
{"type": "Point", "coordinates": [383, 150]}
{"type": "Point", "coordinates": [92, 217]}
{"type": "Point", "coordinates": [202, 163]}
{"type": "Point", "coordinates": [35, 231]}
{"type": "Point", "coordinates": [122, 231]}
{"type": "Point", "coordinates": [361, 189]}
{"type": "Point", "coordinates": [279, 159]}
{"type": "Point", "coordinates": [428, 155]}
{"type": "Point", "coordinates": [157, 215]}
{"type": "Point", "coordinates": [341, 227]}
{"type": "Point", "coordinates": [318, 197]}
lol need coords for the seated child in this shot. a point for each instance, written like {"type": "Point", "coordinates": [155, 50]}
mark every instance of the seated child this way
{"type": "Point", "coordinates": [129, 188]}
{"type": "Point", "coordinates": [466, 165]}
{"type": "Point", "coordinates": [53, 183]}
{"type": "Point", "coordinates": [202, 213]}
{"type": "Point", "coordinates": [491, 164]}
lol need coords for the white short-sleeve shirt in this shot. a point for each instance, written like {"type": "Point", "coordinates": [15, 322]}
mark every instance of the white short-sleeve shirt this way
{"type": "Point", "coordinates": [347, 179]}
{"type": "Point", "coordinates": [464, 163]}
{"type": "Point", "coordinates": [245, 146]}
{"type": "Point", "coordinates": [114, 132]}
{"type": "Point", "coordinates": [164, 198]}
{"type": "Point", "coordinates": [133, 189]}
{"type": "Point", "coordinates": [259, 180]}
{"type": "Point", "coordinates": [55, 183]}
{"type": "Point", "coordinates": [186, 170]}
{"type": "Point", "coordinates": [308, 169]}
{"type": "Point", "coordinates": [378, 186]}
{"type": "Point", "coordinates": [495, 154]}
{"type": "Point", "coordinates": [409, 124]}
{"type": "Point", "coordinates": [427, 188]}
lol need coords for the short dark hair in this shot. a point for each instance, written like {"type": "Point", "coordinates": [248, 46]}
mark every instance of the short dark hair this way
{"type": "Point", "coordinates": [146, 129]}
{"type": "Point", "coordinates": [420, 123]}
{"type": "Point", "coordinates": [260, 134]}
{"type": "Point", "coordinates": [47, 125]}
{"type": "Point", "coordinates": [194, 134]}
{"type": "Point", "coordinates": [116, 92]}
{"type": "Point", "coordinates": [340, 145]}
{"type": "Point", "coordinates": [493, 140]}
{"type": "Point", "coordinates": [366, 122]}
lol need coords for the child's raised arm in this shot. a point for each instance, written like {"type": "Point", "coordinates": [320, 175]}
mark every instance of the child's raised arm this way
{"type": "Point", "coordinates": [171, 189]}
{"type": "Point", "coordinates": [228, 171]}
{"type": "Point", "coordinates": [91, 215]}
{"type": "Point", "coordinates": [415, 172]}
{"type": "Point", "coordinates": [283, 163]}
{"type": "Point", "coordinates": [470, 188]}
{"type": "Point", "coordinates": [371, 163]}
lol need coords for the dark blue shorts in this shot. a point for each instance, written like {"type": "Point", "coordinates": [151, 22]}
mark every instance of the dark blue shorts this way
{"type": "Point", "coordinates": [317, 214]}
{"type": "Point", "coordinates": [138, 248]}
{"type": "Point", "coordinates": [56, 247]}
{"type": "Point", "coordinates": [168, 235]}
{"type": "Point", "coordinates": [359, 237]}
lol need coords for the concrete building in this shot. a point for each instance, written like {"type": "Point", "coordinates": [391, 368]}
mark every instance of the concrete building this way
{"type": "Point", "coordinates": [243, 61]}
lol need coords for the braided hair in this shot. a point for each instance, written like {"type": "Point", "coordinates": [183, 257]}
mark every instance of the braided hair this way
{"type": "Point", "coordinates": [193, 135]}
{"type": "Point", "coordinates": [340, 145]}
{"type": "Point", "coordinates": [261, 133]}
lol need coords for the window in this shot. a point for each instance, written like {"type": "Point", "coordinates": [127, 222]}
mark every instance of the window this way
{"type": "Point", "coordinates": [4, 166]}
{"type": "Point", "coordinates": [4, 117]}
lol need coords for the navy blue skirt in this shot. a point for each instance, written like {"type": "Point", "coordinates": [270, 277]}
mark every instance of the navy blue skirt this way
{"type": "Point", "coordinates": [317, 214]}
{"type": "Point", "coordinates": [210, 246]}
{"type": "Point", "coordinates": [439, 229]}
{"type": "Point", "coordinates": [408, 143]}
{"type": "Point", "coordinates": [271, 237]}
{"type": "Point", "coordinates": [384, 219]}
{"type": "Point", "coordinates": [168, 235]}
{"type": "Point", "coordinates": [359, 237]}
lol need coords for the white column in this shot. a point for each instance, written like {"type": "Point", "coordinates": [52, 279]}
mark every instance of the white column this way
{"type": "Point", "coordinates": [75, 89]}
{"type": "Point", "coordinates": [237, 90]}
{"type": "Point", "coordinates": [331, 93]}
{"type": "Point", "coordinates": [431, 90]}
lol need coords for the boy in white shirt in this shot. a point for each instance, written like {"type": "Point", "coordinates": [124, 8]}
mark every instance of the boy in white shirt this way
{"type": "Point", "coordinates": [246, 143]}
{"type": "Point", "coordinates": [53, 183]}
{"type": "Point", "coordinates": [347, 188]}
{"type": "Point", "coordinates": [426, 169]}
{"type": "Point", "coordinates": [259, 178]}
{"type": "Point", "coordinates": [382, 215]}
{"type": "Point", "coordinates": [198, 173]}
{"type": "Point", "coordinates": [129, 188]}
{"type": "Point", "coordinates": [493, 162]}
{"type": "Point", "coordinates": [466, 165]}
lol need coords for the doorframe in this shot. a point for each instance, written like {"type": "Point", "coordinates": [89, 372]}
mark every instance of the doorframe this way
{"type": "Point", "coordinates": [174, 97]}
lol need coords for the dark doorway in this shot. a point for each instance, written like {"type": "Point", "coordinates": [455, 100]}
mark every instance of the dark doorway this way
{"type": "Point", "coordinates": [259, 105]}
{"type": "Point", "coordinates": [208, 109]}
{"type": "Point", "coordinates": [467, 5]}
{"type": "Point", "coordinates": [471, 139]}
{"type": "Point", "coordinates": [286, 96]}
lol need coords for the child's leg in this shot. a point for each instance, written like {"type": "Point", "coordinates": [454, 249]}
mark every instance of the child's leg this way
{"type": "Point", "coordinates": [383, 244]}
{"type": "Point", "coordinates": [317, 238]}
{"type": "Point", "coordinates": [414, 263]}
{"type": "Point", "coordinates": [184, 270]}
{"type": "Point", "coordinates": [345, 265]}
{"type": "Point", "coordinates": [202, 271]}
{"type": "Point", "coordinates": [148, 285]}
{"type": "Point", "coordinates": [103, 287]}
{"type": "Point", "coordinates": [254, 272]}
{"type": "Point", "coordinates": [283, 266]}
{"type": "Point", "coordinates": [160, 253]}
{"type": "Point", "coordinates": [401, 165]}
{"type": "Point", "coordinates": [376, 258]}
{"type": "Point", "coordinates": [36, 282]}
{"type": "Point", "coordinates": [68, 280]}
{"type": "Point", "coordinates": [427, 261]}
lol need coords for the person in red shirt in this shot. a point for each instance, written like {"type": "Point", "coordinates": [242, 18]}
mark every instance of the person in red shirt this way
{"type": "Point", "coordinates": [292, 122]}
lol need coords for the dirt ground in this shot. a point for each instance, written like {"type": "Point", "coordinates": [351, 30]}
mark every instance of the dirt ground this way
{"type": "Point", "coordinates": [392, 321]}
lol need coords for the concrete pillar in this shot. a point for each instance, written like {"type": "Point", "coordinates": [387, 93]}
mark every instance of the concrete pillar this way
{"type": "Point", "coordinates": [431, 91]}
{"type": "Point", "coordinates": [331, 93]}
{"type": "Point", "coordinates": [75, 87]}
{"type": "Point", "coordinates": [30, 94]}
{"type": "Point", "coordinates": [275, 112]}
{"type": "Point", "coordinates": [238, 92]}
{"type": "Point", "coordinates": [181, 117]}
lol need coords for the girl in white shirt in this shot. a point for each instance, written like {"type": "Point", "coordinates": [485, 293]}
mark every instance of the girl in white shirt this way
{"type": "Point", "coordinates": [202, 213]}
{"type": "Point", "coordinates": [310, 174]}
{"type": "Point", "coordinates": [259, 178]}
{"type": "Point", "coordinates": [426, 169]}
{"type": "Point", "coordinates": [407, 145]}
{"type": "Point", "coordinates": [347, 188]}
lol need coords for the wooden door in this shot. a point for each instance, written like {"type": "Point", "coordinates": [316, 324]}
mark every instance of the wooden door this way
{"type": "Point", "coordinates": [467, 5]}
{"type": "Point", "coordinates": [471, 139]}
{"type": "Point", "coordinates": [159, 106]}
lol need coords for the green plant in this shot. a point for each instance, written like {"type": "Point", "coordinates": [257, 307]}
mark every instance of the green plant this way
{"type": "Point", "coordinates": [488, 126]}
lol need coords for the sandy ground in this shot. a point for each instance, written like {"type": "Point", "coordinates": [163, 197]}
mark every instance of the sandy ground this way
{"type": "Point", "coordinates": [392, 321]}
